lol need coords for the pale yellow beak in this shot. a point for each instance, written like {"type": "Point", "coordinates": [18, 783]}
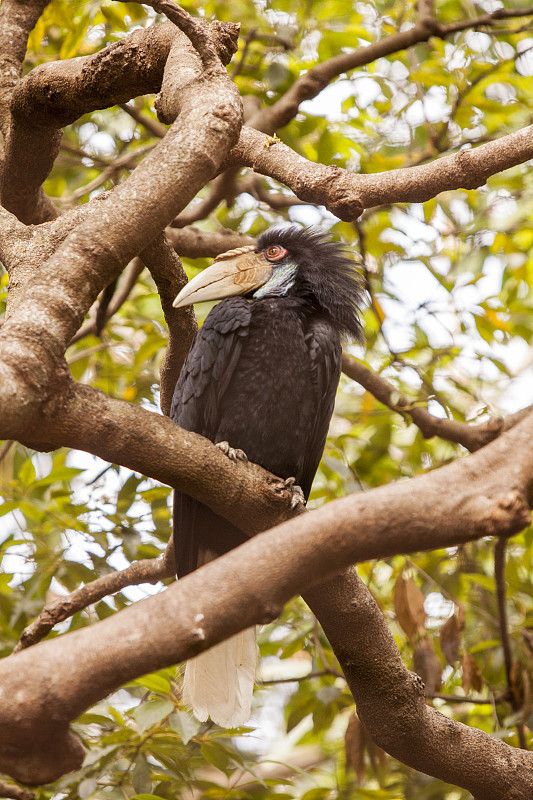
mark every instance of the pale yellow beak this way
{"type": "Point", "coordinates": [226, 278]}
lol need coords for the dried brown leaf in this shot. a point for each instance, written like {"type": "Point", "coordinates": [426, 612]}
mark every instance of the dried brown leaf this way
{"type": "Point", "coordinates": [472, 678]}
{"type": "Point", "coordinates": [450, 639]}
{"type": "Point", "coordinates": [409, 607]}
{"type": "Point", "coordinates": [427, 664]}
{"type": "Point", "coordinates": [354, 746]}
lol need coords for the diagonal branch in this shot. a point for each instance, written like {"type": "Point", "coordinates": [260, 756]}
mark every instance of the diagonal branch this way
{"type": "Point", "coordinates": [311, 83]}
{"type": "Point", "coordinates": [392, 704]}
{"type": "Point", "coordinates": [131, 273]}
{"type": "Point", "coordinates": [56, 299]}
{"type": "Point", "coordinates": [149, 570]}
{"type": "Point", "coordinates": [473, 497]}
{"type": "Point", "coordinates": [470, 436]}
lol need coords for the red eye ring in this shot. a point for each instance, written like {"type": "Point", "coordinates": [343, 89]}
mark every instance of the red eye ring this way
{"type": "Point", "coordinates": [275, 252]}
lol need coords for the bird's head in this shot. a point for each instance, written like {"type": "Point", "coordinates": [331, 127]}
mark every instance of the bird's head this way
{"type": "Point", "coordinates": [288, 261]}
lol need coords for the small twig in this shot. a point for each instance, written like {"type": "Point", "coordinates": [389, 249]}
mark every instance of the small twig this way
{"type": "Point", "coordinates": [455, 698]}
{"type": "Point", "coordinates": [276, 200]}
{"type": "Point", "coordinates": [321, 652]}
{"type": "Point", "coordinates": [318, 674]}
{"type": "Point", "coordinates": [222, 187]}
{"type": "Point", "coordinates": [500, 548]}
{"type": "Point", "coordinates": [131, 273]}
{"type": "Point", "coordinates": [149, 570]}
{"type": "Point", "coordinates": [486, 19]}
{"type": "Point", "coordinates": [499, 576]}
{"type": "Point", "coordinates": [151, 125]}
{"type": "Point", "coordinates": [240, 64]}
{"type": "Point", "coordinates": [123, 162]}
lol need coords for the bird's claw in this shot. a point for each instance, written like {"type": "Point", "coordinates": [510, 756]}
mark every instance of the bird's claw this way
{"type": "Point", "coordinates": [297, 498]}
{"type": "Point", "coordinates": [233, 453]}
{"type": "Point", "coordinates": [296, 494]}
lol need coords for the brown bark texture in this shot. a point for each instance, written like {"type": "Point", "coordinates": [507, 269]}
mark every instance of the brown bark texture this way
{"type": "Point", "coordinates": [58, 266]}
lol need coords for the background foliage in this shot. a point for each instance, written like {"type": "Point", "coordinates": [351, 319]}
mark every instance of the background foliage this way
{"type": "Point", "coordinates": [448, 323]}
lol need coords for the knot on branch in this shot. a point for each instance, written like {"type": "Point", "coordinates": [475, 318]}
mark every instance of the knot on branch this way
{"type": "Point", "coordinates": [471, 179]}
{"type": "Point", "coordinates": [225, 37]}
{"type": "Point", "coordinates": [344, 202]}
{"type": "Point", "coordinates": [510, 514]}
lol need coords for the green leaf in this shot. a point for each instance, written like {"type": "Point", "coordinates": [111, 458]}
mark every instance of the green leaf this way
{"type": "Point", "coordinates": [140, 777]}
{"type": "Point", "coordinates": [185, 725]}
{"type": "Point", "coordinates": [151, 712]}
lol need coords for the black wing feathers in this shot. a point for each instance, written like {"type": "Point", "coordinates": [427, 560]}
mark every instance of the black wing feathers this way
{"type": "Point", "coordinates": [209, 366]}
{"type": "Point", "coordinates": [204, 378]}
{"type": "Point", "coordinates": [323, 345]}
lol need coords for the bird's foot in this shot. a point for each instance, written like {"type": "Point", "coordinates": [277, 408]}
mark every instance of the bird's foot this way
{"type": "Point", "coordinates": [232, 453]}
{"type": "Point", "coordinates": [296, 494]}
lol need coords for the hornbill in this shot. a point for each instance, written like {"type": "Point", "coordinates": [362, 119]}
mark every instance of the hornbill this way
{"type": "Point", "coordinates": [260, 380]}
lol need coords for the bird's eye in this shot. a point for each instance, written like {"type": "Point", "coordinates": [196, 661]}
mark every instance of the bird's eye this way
{"type": "Point", "coordinates": [275, 252]}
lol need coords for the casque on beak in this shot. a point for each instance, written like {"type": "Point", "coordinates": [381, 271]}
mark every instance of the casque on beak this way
{"type": "Point", "coordinates": [235, 272]}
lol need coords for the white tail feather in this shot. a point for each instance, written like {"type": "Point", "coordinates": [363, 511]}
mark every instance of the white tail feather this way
{"type": "Point", "coordinates": [219, 683]}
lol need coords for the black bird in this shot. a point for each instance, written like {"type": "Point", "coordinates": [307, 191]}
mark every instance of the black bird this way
{"type": "Point", "coordinates": [261, 378]}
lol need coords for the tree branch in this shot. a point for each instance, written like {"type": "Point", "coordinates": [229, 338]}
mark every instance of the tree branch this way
{"type": "Point", "coordinates": [41, 691]}
{"type": "Point", "coordinates": [15, 792]}
{"type": "Point", "coordinates": [16, 21]}
{"type": "Point", "coordinates": [470, 436]}
{"type": "Point", "coordinates": [347, 195]}
{"type": "Point", "coordinates": [151, 125]}
{"type": "Point", "coordinates": [193, 242]}
{"type": "Point", "coordinates": [311, 83]}
{"type": "Point", "coordinates": [55, 94]}
{"type": "Point", "coordinates": [131, 273]}
{"type": "Point", "coordinates": [391, 701]}
{"type": "Point", "coordinates": [56, 299]}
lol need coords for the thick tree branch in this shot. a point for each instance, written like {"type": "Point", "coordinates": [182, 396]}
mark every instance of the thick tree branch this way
{"type": "Point", "coordinates": [122, 433]}
{"type": "Point", "coordinates": [44, 687]}
{"type": "Point", "coordinates": [16, 21]}
{"type": "Point", "coordinates": [55, 94]}
{"type": "Point", "coordinates": [347, 195]}
{"type": "Point", "coordinates": [392, 704]}
{"type": "Point", "coordinates": [122, 223]}
{"type": "Point", "coordinates": [15, 792]}
{"type": "Point", "coordinates": [193, 242]}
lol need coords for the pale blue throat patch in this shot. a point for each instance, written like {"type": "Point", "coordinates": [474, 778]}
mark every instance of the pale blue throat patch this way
{"type": "Point", "coordinates": [282, 280]}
